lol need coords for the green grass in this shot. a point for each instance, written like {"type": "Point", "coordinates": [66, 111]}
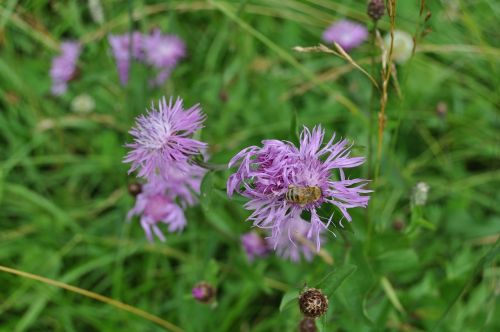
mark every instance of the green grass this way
{"type": "Point", "coordinates": [63, 196]}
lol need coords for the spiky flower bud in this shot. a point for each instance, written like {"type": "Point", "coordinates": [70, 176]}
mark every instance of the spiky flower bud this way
{"type": "Point", "coordinates": [204, 292]}
{"type": "Point", "coordinates": [307, 325]}
{"type": "Point", "coordinates": [376, 9]}
{"type": "Point", "coordinates": [313, 303]}
{"type": "Point", "coordinates": [134, 188]}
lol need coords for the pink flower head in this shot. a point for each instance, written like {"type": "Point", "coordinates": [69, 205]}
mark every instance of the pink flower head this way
{"type": "Point", "coordinates": [163, 140]}
{"type": "Point", "coordinates": [346, 33]}
{"type": "Point", "coordinates": [270, 177]}
{"type": "Point", "coordinates": [126, 47]}
{"type": "Point", "coordinates": [254, 245]}
{"type": "Point", "coordinates": [155, 206]}
{"type": "Point", "coordinates": [163, 52]}
{"type": "Point", "coordinates": [64, 66]}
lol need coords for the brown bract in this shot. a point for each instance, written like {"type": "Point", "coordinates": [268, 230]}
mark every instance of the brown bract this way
{"type": "Point", "coordinates": [313, 303]}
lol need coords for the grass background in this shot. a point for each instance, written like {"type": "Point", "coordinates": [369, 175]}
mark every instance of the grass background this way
{"type": "Point", "coordinates": [63, 196]}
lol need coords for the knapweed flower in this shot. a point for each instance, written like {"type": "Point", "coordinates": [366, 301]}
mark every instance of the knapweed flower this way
{"type": "Point", "coordinates": [163, 52]}
{"type": "Point", "coordinates": [155, 206]}
{"type": "Point", "coordinates": [346, 33]}
{"type": "Point", "coordinates": [402, 47]}
{"type": "Point", "coordinates": [254, 245]}
{"type": "Point", "coordinates": [64, 67]}
{"type": "Point", "coordinates": [163, 141]}
{"type": "Point", "coordinates": [126, 47]}
{"type": "Point", "coordinates": [204, 292]}
{"type": "Point", "coordinates": [281, 181]}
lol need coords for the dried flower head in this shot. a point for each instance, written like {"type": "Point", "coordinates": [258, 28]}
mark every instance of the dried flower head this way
{"type": "Point", "coordinates": [96, 11]}
{"type": "Point", "coordinates": [83, 103]}
{"type": "Point", "coordinates": [308, 325]}
{"type": "Point", "coordinates": [313, 303]}
{"type": "Point", "coordinates": [376, 9]}
{"type": "Point", "coordinates": [162, 141]}
{"type": "Point", "coordinates": [402, 48]}
{"type": "Point", "coordinates": [346, 33]}
{"type": "Point", "coordinates": [64, 66]}
{"type": "Point", "coordinates": [281, 181]}
{"type": "Point", "coordinates": [204, 292]}
{"type": "Point", "coordinates": [420, 192]}
{"type": "Point", "coordinates": [126, 47]}
{"type": "Point", "coordinates": [254, 245]}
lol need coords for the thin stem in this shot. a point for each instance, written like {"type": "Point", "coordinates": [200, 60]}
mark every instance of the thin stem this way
{"type": "Point", "coordinates": [386, 76]}
{"type": "Point", "coordinates": [371, 124]}
{"type": "Point", "coordinates": [209, 166]}
{"type": "Point", "coordinates": [95, 296]}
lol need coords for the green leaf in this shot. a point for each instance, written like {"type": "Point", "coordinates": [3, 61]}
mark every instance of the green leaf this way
{"type": "Point", "coordinates": [206, 190]}
{"type": "Point", "coordinates": [398, 260]}
{"type": "Point", "coordinates": [335, 278]}
{"type": "Point", "coordinates": [289, 298]}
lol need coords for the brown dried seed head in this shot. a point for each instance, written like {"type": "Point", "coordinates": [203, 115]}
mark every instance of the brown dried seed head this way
{"type": "Point", "coordinates": [134, 188]}
{"type": "Point", "coordinates": [307, 325]}
{"type": "Point", "coordinates": [376, 9]}
{"type": "Point", "coordinates": [313, 303]}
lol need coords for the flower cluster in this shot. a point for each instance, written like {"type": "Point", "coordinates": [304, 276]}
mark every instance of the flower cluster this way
{"type": "Point", "coordinates": [346, 33]}
{"type": "Point", "coordinates": [64, 67]}
{"type": "Point", "coordinates": [282, 181]}
{"type": "Point", "coordinates": [157, 50]}
{"type": "Point", "coordinates": [161, 153]}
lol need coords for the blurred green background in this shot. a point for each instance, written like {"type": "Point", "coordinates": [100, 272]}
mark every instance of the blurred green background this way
{"type": "Point", "coordinates": [63, 186]}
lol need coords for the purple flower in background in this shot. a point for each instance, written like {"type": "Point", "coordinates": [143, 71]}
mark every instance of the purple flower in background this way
{"type": "Point", "coordinates": [155, 205]}
{"type": "Point", "coordinates": [162, 140]}
{"type": "Point", "coordinates": [281, 181]}
{"type": "Point", "coordinates": [254, 245]}
{"type": "Point", "coordinates": [204, 292]}
{"type": "Point", "coordinates": [163, 52]}
{"type": "Point", "coordinates": [348, 34]}
{"type": "Point", "coordinates": [123, 46]}
{"type": "Point", "coordinates": [64, 66]}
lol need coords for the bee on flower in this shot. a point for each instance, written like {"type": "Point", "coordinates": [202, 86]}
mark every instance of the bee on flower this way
{"type": "Point", "coordinates": [281, 181]}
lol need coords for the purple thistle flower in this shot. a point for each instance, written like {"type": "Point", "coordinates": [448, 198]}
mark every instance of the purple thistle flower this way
{"type": "Point", "coordinates": [267, 174]}
{"type": "Point", "coordinates": [122, 45]}
{"type": "Point", "coordinates": [346, 33]}
{"type": "Point", "coordinates": [64, 66]}
{"type": "Point", "coordinates": [163, 52]}
{"type": "Point", "coordinates": [155, 205]}
{"type": "Point", "coordinates": [182, 184]}
{"type": "Point", "coordinates": [162, 140]}
{"type": "Point", "coordinates": [254, 245]}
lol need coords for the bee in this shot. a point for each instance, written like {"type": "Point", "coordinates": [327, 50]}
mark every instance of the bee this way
{"type": "Point", "coordinates": [303, 194]}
